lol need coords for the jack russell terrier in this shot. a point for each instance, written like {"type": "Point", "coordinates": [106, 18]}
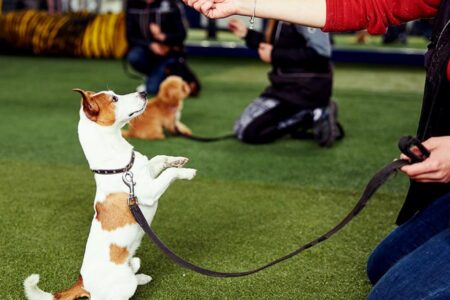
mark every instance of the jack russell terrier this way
{"type": "Point", "coordinates": [109, 267]}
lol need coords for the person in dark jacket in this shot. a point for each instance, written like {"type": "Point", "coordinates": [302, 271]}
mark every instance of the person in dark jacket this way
{"type": "Point", "coordinates": [301, 80]}
{"type": "Point", "coordinates": [155, 33]}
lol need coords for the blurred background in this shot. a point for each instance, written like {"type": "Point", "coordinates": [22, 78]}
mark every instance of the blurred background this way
{"type": "Point", "coordinates": [95, 28]}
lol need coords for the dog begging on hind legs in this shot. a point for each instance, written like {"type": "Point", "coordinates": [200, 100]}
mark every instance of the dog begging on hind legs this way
{"type": "Point", "coordinates": [109, 268]}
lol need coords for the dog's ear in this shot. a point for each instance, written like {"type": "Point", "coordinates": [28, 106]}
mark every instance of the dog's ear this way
{"type": "Point", "coordinates": [90, 107]}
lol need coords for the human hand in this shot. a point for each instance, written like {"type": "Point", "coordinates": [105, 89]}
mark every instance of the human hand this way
{"type": "Point", "coordinates": [238, 28]}
{"type": "Point", "coordinates": [155, 30]}
{"type": "Point", "coordinates": [159, 49]}
{"type": "Point", "coordinates": [436, 168]}
{"type": "Point", "coordinates": [265, 52]}
{"type": "Point", "coordinates": [214, 9]}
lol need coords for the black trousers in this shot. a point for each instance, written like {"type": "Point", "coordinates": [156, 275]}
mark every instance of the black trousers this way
{"type": "Point", "coordinates": [268, 119]}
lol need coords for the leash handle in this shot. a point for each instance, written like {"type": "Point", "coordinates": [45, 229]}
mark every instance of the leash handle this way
{"type": "Point", "coordinates": [413, 148]}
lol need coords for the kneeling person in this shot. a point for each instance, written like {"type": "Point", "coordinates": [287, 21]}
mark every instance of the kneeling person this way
{"type": "Point", "coordinates": [299, 95]}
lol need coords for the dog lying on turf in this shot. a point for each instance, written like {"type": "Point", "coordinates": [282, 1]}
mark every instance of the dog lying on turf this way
{"type": "Point", "coordinates": [162, 113]}
{"type": "Point", "coordinates": [109, 267]}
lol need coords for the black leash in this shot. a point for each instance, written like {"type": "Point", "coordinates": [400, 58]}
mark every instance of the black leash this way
{"type": "Point", "coordinates": [204, 139]}
{"type": "Point", "coordinates": [408, 145]}
{"type": "Point", "coordinates": [207, 139]}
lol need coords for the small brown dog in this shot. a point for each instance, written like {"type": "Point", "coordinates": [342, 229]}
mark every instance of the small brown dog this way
{"type": "Point", "coordinates": [163, 112]}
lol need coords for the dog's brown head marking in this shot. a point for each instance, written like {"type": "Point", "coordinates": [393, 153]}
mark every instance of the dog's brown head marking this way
{"type": "Point", "coordinates": [173, 90]}
{"type": "Point", "coordinates": [99, 108]}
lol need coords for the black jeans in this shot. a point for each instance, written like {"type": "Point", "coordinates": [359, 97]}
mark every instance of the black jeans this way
{"type": "Point", "coordinates": [268, 119]}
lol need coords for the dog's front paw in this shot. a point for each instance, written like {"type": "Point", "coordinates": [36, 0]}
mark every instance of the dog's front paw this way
{"type": "Point", "coordinates": [143, 279]}
{"type": "Point", "coordinates": [187, 174]}
{"type": "Point", "coordinates": [176, 162]}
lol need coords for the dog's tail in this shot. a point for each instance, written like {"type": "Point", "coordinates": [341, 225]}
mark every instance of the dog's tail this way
{"type": "Point", "coordinates": [33, 292]}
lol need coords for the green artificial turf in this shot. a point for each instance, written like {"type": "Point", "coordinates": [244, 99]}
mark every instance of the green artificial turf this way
{"type": "Point", "coordinates": [247, 205]}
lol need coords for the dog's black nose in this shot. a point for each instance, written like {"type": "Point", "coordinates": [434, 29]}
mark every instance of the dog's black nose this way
{"type": "Point", "coordinates": [143, 94]}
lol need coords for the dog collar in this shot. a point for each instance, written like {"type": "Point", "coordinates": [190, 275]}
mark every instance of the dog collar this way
{"type": "Point", "coordinates": [117, 171]}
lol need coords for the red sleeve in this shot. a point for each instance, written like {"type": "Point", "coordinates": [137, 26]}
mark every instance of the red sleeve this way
{"type": "Point", "coordinates": [448, 70]}
{"type": "Point", "coordinates": [375, 15]}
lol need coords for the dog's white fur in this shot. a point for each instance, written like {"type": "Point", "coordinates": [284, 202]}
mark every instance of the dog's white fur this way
{"type": "Point", "coordinates": [105, 148]}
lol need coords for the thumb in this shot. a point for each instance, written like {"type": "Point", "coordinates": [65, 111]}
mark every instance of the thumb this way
{"type": "Point", "coordinates": [431, 143]}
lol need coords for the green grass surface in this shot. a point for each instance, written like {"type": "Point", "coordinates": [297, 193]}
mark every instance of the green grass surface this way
{"type": "Point", "coordinates": [248, 204]}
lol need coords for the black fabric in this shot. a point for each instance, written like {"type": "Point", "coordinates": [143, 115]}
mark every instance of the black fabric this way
{"type": "Point", "coordinates": [310, 90]}
{"type": "Point", "coordinates": [139, 15]}
{"type": "Point", "coordinates": [266, 127]}
{"type": "Point", "coordinates": [435, 115]}
{"type": "Point", "coordinates": [299, 75]}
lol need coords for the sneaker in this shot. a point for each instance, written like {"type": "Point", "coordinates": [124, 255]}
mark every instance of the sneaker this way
{"type": "Point", "coordinates": [141, 88]}
{"type": "Point", "coordinates": [325, 126]}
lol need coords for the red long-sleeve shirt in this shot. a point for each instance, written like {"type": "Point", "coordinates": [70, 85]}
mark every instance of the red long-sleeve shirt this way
{"type": "Point", "coordinates": [377, 15]}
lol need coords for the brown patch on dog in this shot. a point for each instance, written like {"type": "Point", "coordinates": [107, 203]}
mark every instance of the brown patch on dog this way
{"type": "Point", "coordinates": [113, 213]}
{"type": "Point", "coordinates": [75, 292]}
{"type": "Point", "coordinates": [98, 108]}
{"type": "Point", "coordinates": [117, 254]}
{"type": "Point", "coordinates": [161, 112]}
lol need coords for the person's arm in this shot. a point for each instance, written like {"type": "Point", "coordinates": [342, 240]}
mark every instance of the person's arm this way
{"type": "Point", "coordinates": [252, 38]}
{"type": "Point", "coordinates": [331, 15]}
{"type": "Point", "coordinates": [375, 15]}
{"type": "Point", "coordinates": [309, 12]}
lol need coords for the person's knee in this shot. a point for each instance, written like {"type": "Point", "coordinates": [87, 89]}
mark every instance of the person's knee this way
{"type": "Point", "coordinates": [374, 268]}
{"type": "Point", "coordinates": [254, 137]}
{"type": "Point", "coordinates": [135, 57]}
{"type": "Point", "coordinates": [152, 86]}
{"type": "Point", "coordinates": [385, 255]}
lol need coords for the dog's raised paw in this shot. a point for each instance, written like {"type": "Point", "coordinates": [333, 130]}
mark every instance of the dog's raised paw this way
{"type": "Point", "coordinates": [177, 162]}
{"type": "Point", "coordinates": [187, 174]}
{"type": "Point", "coordinates": [143, 279]}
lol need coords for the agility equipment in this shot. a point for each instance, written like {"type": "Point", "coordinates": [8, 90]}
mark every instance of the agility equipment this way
{"type": "Point", "coordinates": [65, 34]}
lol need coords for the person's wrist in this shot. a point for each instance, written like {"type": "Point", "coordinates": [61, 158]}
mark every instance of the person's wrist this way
{"type": "Point", "coordinates": [245, 7]}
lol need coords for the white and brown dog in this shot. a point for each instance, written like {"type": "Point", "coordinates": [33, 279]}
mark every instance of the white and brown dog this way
{"type": "Point", "coordinates": [109, 266]}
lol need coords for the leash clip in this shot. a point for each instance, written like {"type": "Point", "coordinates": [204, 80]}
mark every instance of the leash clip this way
{"type": "Point", "coordinates": [127, 178]}
{"type": "Point", "coordinates": [413, 148]}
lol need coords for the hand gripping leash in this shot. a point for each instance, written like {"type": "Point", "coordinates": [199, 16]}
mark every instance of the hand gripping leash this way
{"type": "Point", "coordinates": [410, 146]}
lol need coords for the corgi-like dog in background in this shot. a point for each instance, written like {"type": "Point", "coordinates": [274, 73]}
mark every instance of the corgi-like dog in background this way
{"type": "Point", "coordinates": [109, 269]}
{"type": "Point", "coordinates": [163, 113]}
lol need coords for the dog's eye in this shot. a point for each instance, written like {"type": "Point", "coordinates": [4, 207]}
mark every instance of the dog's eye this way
{"type": "Point", "coordinates": [115, 98]}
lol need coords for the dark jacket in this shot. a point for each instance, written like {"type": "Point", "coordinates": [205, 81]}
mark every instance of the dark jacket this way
{"type": "Point", "coordinates": [435, 115]}
{"type": "Point", "coordinates": [302, 72]}
{"type": "Point", "coordinates": [166, 13]}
